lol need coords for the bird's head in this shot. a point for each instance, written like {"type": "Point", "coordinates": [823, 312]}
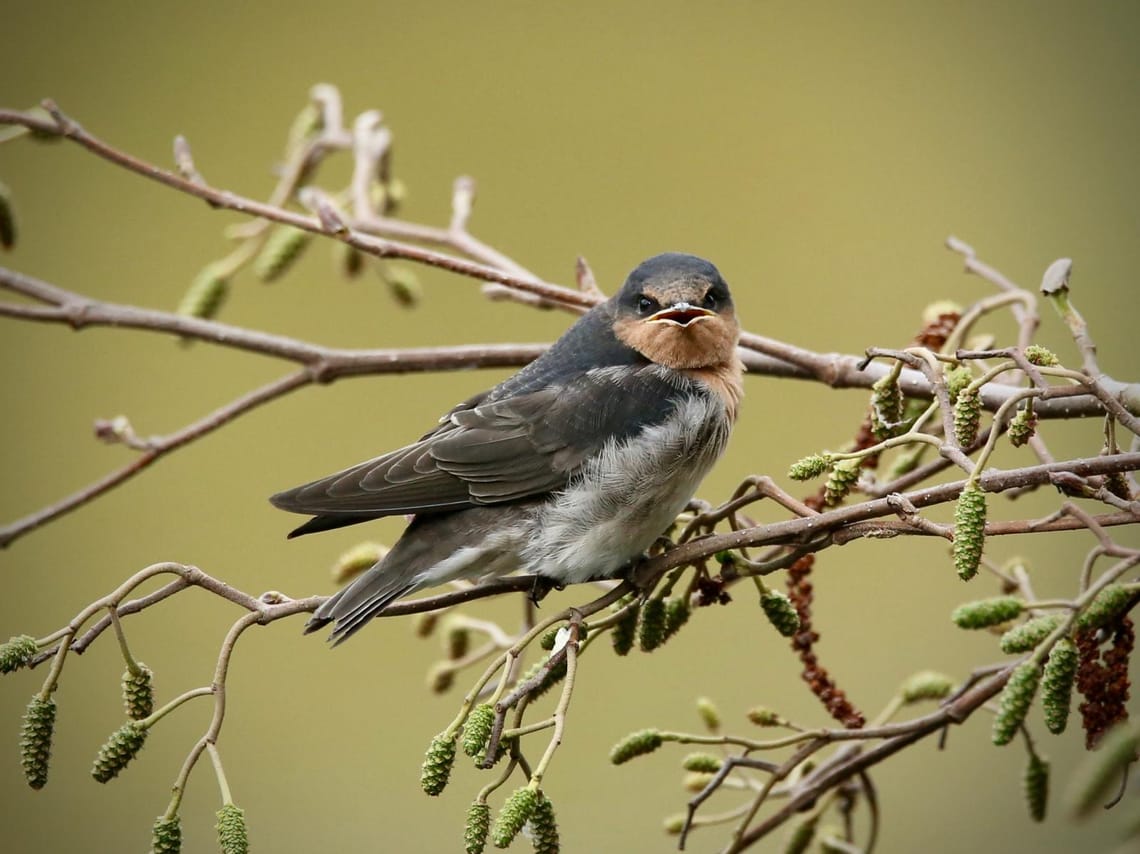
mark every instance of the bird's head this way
{"type": "Point", "coordinates": [676, 310]}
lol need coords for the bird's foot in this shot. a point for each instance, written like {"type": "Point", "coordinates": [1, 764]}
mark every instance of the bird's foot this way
{"type": "Point", "coordinates": [542, 586]}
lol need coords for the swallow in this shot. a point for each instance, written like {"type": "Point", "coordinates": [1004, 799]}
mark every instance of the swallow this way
{"type": "Point", "coordinates": [570, 469]}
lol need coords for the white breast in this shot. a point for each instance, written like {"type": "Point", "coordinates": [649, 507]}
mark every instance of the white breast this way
{"type": "Point", "coordinates": [628, 495]}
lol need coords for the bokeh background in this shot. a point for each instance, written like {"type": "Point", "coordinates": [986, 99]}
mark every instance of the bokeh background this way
{"type": "Point", "coordinates": [818, 153]}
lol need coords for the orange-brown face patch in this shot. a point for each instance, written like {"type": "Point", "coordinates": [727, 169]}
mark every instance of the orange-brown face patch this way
{"type": "Point", "coordinates": [706, 342]}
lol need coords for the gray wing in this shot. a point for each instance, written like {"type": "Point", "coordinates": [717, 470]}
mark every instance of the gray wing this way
{"type": "Point", "coordinates": [493, 451]}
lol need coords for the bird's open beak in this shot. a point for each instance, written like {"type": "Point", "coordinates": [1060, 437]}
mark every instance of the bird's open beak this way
{"type": "Point", "coordinates": [681, 314]}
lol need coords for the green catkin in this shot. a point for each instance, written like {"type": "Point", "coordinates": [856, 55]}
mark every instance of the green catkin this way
{"type": "Point", "coordinates": [17, 652]}
{"type": "Point", "coordinates": [844, 475]}
{"type": "Point", "coordinates": [674, 824]}
{"type": "Point", "coordinates": [356, 560]}
{"type": "Point", "coordinates": [544, 828]}
{"type": "Point", "coordinates": [550, 678]}
{"type": "Point", "coordinates": [437, 764]}
{"type": "Point", "coordinates": [7, 218]}
{"type": "Point", "coordinates": [282, 248]}
{"type": "Point", "coordinates": [477, 729]}
{"type": "Point", "coordinates": [956, 380]}
{"type": "Point", "coordinates": [403, 285]}
{"type": "Point", "coordinates": [809, 467]}
{"type": "Point", "coordinates": [704, 762]}
{"type": "Point", "coordinates": [651, 629]}
{"type": "Point", "coordinates": [967, 416]}
{"type": "Point", "coordinates": [676, 615]}
{"type": "Point", "coordinates": [886, 407]}
{"type": "Point", "coordinates": [1027, 635]}
{"type": "Point", "coordinates": [516, 812]}
{"type": "Point", "coordinates": [477, 827]}
{"type": "Point", "coordinates": [1016, 698]}
{"type": "Point", "coordinates": [635, 744]}
{"type": "Point", "coordinates": [456, 641]}
{"type": "Point", "coordinates": [138, 692]}
{"type": "Point", "coordinates": [349, 260]}
{"type": "Point", "coordinates": [1035, 354]}
{"type": "Point", "coordinates": [1022, 427]}
{"type": "Point", "coordinates": [166, 835]}
{"type": "Point", "coordinates": [800, 837]}
{"type": "Point", "coordinates": [780, 611]}
{"type": "Point", "coordinates": [969, 531]}
{"type": "Point", "coordinates": [123, 745]}
{"type": "Point", "coordinates": [625, 630]}
{"type": "Point", "coordinates": [233, 837]}
{"type": "Point", "coordinates": [35, 740]}
{"type": "Point", "coordinates": [1057, 684]}
{"type": "Point", "coordinates": [926, 685]}
{"type": "Point", "coordinates": [206, 294]}
{"type": "Point", "coordinates": [1036, 786]}
{"type": "Point", "coordinates": [709, 714]}
{"type": "Point", "coordinates": [762, 716]}
{"type": "Point", "coordinates": [983, 613]}
{"type": "Point", "coordinates": [1105, 607]}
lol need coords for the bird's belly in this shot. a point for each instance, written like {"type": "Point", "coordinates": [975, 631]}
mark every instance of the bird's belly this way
{"type": "Point", "coordinates": [626, 497]}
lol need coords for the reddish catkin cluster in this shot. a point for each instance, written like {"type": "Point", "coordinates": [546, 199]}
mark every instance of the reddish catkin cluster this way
{"type": "Point", "coordinates": [817, 677]}
{"type": "Point", "coordinates": [1103, 679]}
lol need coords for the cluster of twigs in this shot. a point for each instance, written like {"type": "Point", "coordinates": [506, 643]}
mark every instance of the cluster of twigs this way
{"type": "Point", "coordinates": [926, 414]}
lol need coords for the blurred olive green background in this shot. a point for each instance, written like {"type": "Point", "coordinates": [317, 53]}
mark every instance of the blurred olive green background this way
{"type": "Point", "coordinates": [818, 153]}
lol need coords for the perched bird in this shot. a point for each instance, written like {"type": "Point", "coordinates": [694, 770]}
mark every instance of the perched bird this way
{"type": "Point", "coordinates": [568, 470]}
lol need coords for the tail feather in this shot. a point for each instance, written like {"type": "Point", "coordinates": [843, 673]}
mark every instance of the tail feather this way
{"type": "Point", "coordinates": [351, 608]}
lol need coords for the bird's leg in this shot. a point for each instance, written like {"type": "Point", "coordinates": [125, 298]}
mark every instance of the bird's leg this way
{"type": "Point", "coordinates": [541, 587]}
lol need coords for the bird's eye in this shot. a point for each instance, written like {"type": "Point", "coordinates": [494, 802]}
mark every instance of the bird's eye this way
{"type": "Point", "coordinates": [646, 305]}
{"type": "Point", "coordinates": [710, 301]}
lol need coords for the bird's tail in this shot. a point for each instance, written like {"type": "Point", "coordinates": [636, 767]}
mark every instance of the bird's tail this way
{"type": "Point", "coordinates": [358, 603]}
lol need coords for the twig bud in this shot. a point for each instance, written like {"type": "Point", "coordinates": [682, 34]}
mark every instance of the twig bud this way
{"type": "Point", "coordinates": [809, 467]}
{"type": "Point", "coordinates": [437, 764]}
{"type": "Point", "coordinates": [138, 692]}
{"type": "Point", "coordinates": [477, 729]}
{"type": "Point", "coordinates": [35, 740]}
{"type": "Point", "coordinates": [926, 685]}
{"type": "Point", "coordinates": [695, 781]}
{"type": "Point", "coordinates": [17, 652]}
{"type": "Point", "coordinates": [983, 613]}
{"type": "Point", "coordinates": [1036, 785]}
{"type": "Point", "coordinates": [544, 828]}
{"type": "Point", "coordinates": [780, 611]}
{"type": "Point", "coordinates": [477, 827]}
{"type": "Point", "coordinates": [233, 837]}
{"type": "Point", "coordinates": [1057, 684]}
{"type": "Point", "coordinates": [166, 835]}
{"type": "Point", "coordinates": [844, 475]}
{"type": "Point", "coordinates": [1028, 635]}
{"type": "Point", "coordinates": [967, 416]}
{"type": "Point", "coordinates": [1016, 698]}
{"type": "Point", "coordinates": [651, 629]}
{"type": "Point", "coordinates": [635, 744]}
{"type": "Point", "coordinates": [517, 810]}
{"type": "Point", "coordinates": [969, 531]}
{"type": "Point", "coordinates": [707, 763]}
{"type": "Point", "coordinates": [120, 748]}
